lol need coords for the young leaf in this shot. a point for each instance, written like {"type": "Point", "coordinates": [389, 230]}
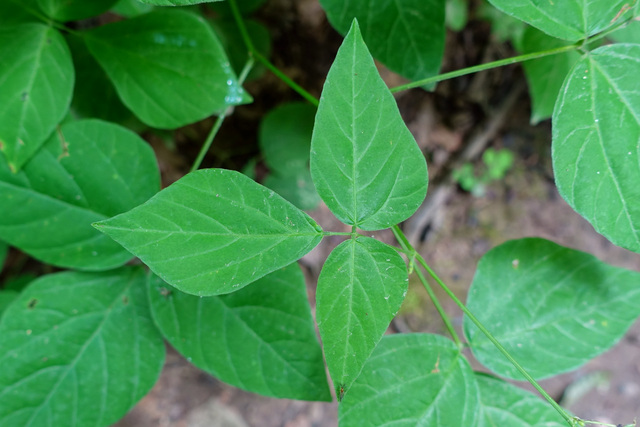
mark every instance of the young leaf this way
{"type": "Point", "coordinates": [551, 307]}
{"type": "Point", "coordinates": [99, 170]}
{"type": "Point", "coordinates": [413, 380]}
{"type": "Point", "coordinates": [285, 141]}
{"type": "Point", "coordinates": [545, 75]}
{"type": "Point", "coordinates": [214, 231]}
{"type": "Point", "coordinates": [36, 75]}
{"type": "Point", "coordinates": [407, 36]}
{"type": "Point", "coordinates": [260, 339]}
{"type": "Point", "coordinates": [167, 66]}
{"type": "Point", "coordinates": [360, 290]}
{"type": "Point", "coordinates": [364, 161]}
{"type": "Point", "coordinates": [506, 405]}
{"type": "Point", "coordinates": [595, 151]}
{"type": "Point", "coordinates": [78, 349]}
{"type": "Point", "coordinates": [568, 20]}
{"type": "Point", "coordinates": [73, 10]}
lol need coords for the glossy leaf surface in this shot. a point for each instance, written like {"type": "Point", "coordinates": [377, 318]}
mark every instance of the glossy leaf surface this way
{"type": "Point", "coordinates": [413, 380]}
{"type": "Point", "coordinates": [551, 307]}
{"type": "Point", "coordinates": [142, 54]}
{"type": "Point", "coordinates": [365, 163]}
{"type": "Point", "coordinates": [78, 349]}
{"type": "Point", "coordinates": [545, 75]}
{"type": "Point", "coordinates": [505, 405]}
{"type": "Point", "coordinates": [568, 20]}
{"type": "Point", "coordinates": [261, 338]}
{"type": "Point", "coordinates": [360, 290]}
{"type": "Point", "coordinates": [285, 141]}
{"type": "Point", "coordinates": [214, 231]}
{"type": "Point", "coordinates": [72, 10]}
{"type": "Point", "coordinates": [407, 36]}
{"type": "Point", "coordinates": [36, 76]}
{"type": "Point", "coordinates": [595, 150]}
{"type": "Point", "coordinates": [99, 170]}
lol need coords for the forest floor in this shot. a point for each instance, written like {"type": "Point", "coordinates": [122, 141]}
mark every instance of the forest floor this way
{"type": "Point", "coordinates": [490, 109]}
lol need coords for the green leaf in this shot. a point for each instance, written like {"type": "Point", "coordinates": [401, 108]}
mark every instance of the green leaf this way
{"type": "Point", "coordinates": [551, 307]}
{"type": "Point", "coordinates": [630, 33]}
{"type": "Point", "coordinates": [14, 12]}
{"type": "Point", "coordinates": [456, 14]}
{"type": "Point", "coordinates": [36, 76]}
{"type": "Point", "coordinates": [360, 290]}
{"type": "Point", "coordinates": [261, 338]}
{"type": "Point", "coordinates": [595, 151]}
{"type": "Point", "coordinates": [131, 8]}
{"type": "Point", "coordinates": [413, 380]}
{"type": "Point", "coordinates": [568, 20]}
{"type": "Point", "coordinates": [285, 141]}
{"type": "Point", "coordinates": [506, 405]}
{"type": "Point", "coordinates": [545, 75]}
{"type": "Point", "coordinates": [78, 349]}
{"type": "Point", "coordinates": [407, 36]}
{"type": "Point", "coordinates": [6, 298]}
{"type": "Point", "coordinates": [214, 231]}
{"type": "Point", "coordinates": [175, 2]}
{"type": "Point", "coordinates": [167, 66]}
{"type": "Point", "coordinates": [73, 10]}
{"type": "Point", "coordinates": [92, 83]}
{"type": "Point", "coordinates": [99, 171]}
{"type": "Point", "coordinates": [365, 163]}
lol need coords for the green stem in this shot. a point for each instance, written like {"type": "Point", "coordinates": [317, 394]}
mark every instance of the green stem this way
{"type": "Point", "coordinates": [254, 52]}
{"type": "Point", "coordinates": [487, 66]}
{"type": "Point", "coordinates": [406, 246]}
{"type": "Point", "coordinates": [216, 126]}
{"type": "Point", "coordinates": [571, 420]}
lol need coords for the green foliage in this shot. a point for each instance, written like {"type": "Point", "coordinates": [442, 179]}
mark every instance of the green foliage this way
{"type": "Point", "coordinates": [360, 290]}
{"type": "Point", "coordinates": [413, 379]}
{"type": "Point", "coordinates": [565, 20]}
{"type": "Point", "coordinates": [528, 307]}
{"type": "Point", "coordinates": [78, 346]}
{"type": "Point", "coordinates": [141, 54]}
{"type": "Point", "coordinates": [260, 338]}
{"type": "Point", "coordinates": [37, 82]}
{"type": "Point", "coordinates": [595, 149]}
{"type": "Point", "coordinates": [365, 163]}
{"type": "Point", "coordinates": [50, 204]}
{"type": "Point", "coordinates": [545, 75]}
{"type": "Point", "coordinates": [214, 231]}
{"type": "Point", "coordinates": [415, 25]}
{"type": "Point", "coordinates": [502, 404]}
{"type": "Point", "coordinates": [285, 141]}
{"type": "Point", "coordinates": [82, 347]}
{"type": "Point", "coordinates": [496, 165]}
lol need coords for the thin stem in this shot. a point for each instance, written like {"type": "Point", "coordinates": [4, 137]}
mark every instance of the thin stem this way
{"type": "Point", "coordinates": [495, 342]}
{"type": "Point", "coordinates": [218, 123]}
{"type": "Point", "coordinates": [237, 16]}
{"type": "Point", "coordinates": [487, 66]}
{"type": "Point", "coordinates": [406, 246]}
